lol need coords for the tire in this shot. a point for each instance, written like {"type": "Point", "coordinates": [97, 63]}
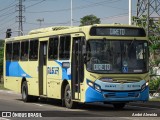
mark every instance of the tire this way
{"type": "Point", "coordinates": [119, 106]}
{"type": "Point", "coordinates": [68, 98]}
{"type": "Point", "coordinates": [25, 96]}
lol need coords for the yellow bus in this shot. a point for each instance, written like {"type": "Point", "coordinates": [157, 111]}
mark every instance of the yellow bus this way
{"type": "Point", "coordinates": [97, 63]}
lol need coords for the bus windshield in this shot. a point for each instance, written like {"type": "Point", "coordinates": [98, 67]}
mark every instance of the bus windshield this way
{"type": "Point", "coordinates": [117, 56]}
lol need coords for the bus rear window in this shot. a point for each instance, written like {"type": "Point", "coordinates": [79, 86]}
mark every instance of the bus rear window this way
{"type": "Point", "coordinates": [9, 51]}
{"type": "Point", "coordinates": [16, 51]}
{"type": "Point", "coordinates": [24, 50]}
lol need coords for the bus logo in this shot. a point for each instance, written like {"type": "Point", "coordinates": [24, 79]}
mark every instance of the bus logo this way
{"type": "Point", "coordinates": [53, 70]}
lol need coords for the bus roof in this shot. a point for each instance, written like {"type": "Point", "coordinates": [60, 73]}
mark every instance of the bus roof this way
{"type": "Point", "coordinates": [55, 30]}
{"type": "Point", "coordinates": [48, 29]}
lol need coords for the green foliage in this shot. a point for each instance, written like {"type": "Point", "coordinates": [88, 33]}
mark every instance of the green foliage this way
{"type": "Point", "coordinates": [154, 84]}
{"type": "Point", "coordinates": [1, 56]}
{"type": "Point", "coordinates": [89, 20]}
{"type": "Point", "coordinates": [154, 38]}
{"type": "Point", "coordinates": [142, 22]}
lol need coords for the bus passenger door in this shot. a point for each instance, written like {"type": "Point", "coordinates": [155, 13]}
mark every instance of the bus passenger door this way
{"type": "Point", "coordinates": [77, 67]}
{"type": "Point", "coordinates": [43, 68]}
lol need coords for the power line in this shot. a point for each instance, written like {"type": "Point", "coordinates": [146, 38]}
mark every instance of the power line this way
{"type": "Point", "coordinates": [48, 23]}
{"type": "Point", "coordinates": [77, 21]}
{"type": "Point", "coordinates": [11, 26]}
{"type": "Point", "coordinates": [108, 5]}
{"type": "Point", "coordinates": [8, 15]}
{"type": "Point", "coordinates": [2, 15]}
{"type": "Point", "coordinates": [5, 22]}
{"type": "Point", "coordinates": [79, 7]}
{"type": "Point", "coordinates": [35, 4]}
{"type": "Point", "coordinates": [8, 7]}
{"type": "Point", "coordinates": [37, 0]}
{"type": "Point", "coordinates": [109, 17]}
{"type": "Point", "coordinates": [4, 28]}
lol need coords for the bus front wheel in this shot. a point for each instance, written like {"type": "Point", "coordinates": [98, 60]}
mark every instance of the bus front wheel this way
{"type": "Point", "coordinates": [25, 96]}
{"type": "Point", "coordinates": [68, 98]}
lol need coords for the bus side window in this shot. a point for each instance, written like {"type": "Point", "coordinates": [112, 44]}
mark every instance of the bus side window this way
{"type": "Point", "coordinates": [53, 48]}
{"type": "Point", "coordinates": [64, 48]}
{"type": "Point", "coordinates": [16, 51]}
{"type": "Point", "coordinates": [24, 50]}
{"type": "Point", "coordinates": [33, 53]}
{"type": "Point", "coordinates": [8, 51]}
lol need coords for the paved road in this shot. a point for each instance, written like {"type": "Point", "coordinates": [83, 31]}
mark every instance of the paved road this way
{"type": "Point", "coordinates": [10, 101]}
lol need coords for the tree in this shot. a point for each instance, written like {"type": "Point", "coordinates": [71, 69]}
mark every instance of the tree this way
{"type": "Point", "coordinates": [89, 20]}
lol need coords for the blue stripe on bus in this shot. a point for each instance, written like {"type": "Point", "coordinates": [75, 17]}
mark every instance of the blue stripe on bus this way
{"type": "Point", "coordinates": [15, 70]}
{"type": "Point", "coordinates": [64, 72]}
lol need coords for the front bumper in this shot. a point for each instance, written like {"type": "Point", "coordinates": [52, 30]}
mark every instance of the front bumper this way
{"type": "Point", "coordinates": [116, 96]}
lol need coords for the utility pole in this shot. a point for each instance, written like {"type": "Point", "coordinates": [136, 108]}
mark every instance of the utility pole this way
{"type": "Point", "coordinates": [71, 14]}
{"type": "Point", "coordinates": [130, 12]}
{"type": "Point", "coordinates": [40, 21]}
{"type": "Point", "coordinates": [20, 18]}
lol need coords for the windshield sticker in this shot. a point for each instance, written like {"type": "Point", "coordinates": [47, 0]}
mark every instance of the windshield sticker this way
{"type": "Point", "coordinates": [137, 70]}
{"type": "Point", "coordinates": [125, 69]}
{"type": "Point", "coordinates": [102, 67]}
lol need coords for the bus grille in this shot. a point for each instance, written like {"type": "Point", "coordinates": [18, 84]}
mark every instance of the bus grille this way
{"type": "Point", "coordinates": [121, 94]}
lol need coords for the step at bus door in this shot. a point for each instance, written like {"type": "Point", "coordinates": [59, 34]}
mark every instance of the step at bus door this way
{"type": "Point", "coordinates": [77, 67]}
{"type": "Point", "coordinates": [43, 68]}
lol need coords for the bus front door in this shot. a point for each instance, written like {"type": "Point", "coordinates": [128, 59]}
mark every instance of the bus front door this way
{"type": "Point", "coordinates": [43, 68]}
{"type": "Point", "coordinates": [77, 67]}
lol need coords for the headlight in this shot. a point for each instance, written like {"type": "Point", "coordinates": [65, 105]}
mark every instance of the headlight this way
{"type": "Point", "coordinates": [94, 86]}
{"type": "Point", "coordinates": [147, 83]}
{"type": "Point", "coordinates": [144, 86]}
{"type": "Point", "coordinates": [91, 84]}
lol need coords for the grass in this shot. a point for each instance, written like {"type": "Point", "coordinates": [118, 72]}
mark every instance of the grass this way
{"type": "Point", "coordinates": [155, 99]}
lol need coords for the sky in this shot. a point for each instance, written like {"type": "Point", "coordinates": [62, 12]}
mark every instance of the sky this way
{"type": "Point", "coordinates": [58, 13]}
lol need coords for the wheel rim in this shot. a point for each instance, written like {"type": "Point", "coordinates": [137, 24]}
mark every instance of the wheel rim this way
{"type": "Point", "coordinates": [68, 96]}
{"type": "Point", "coordinates": [24, 93]}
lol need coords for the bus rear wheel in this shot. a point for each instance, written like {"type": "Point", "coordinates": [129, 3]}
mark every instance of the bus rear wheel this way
{"type": "Point", "coordinates": [68, 98]}
{"type": "Point", "coordinates": [119, 106]}
{"type": "Point", "coordinates": [25, 96]}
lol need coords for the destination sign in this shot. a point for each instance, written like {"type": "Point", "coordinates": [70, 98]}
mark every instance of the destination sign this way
{"type": "Point", "coordinates": [102, 67]}
{"type": "Point", "coordinates": [117, 31]}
